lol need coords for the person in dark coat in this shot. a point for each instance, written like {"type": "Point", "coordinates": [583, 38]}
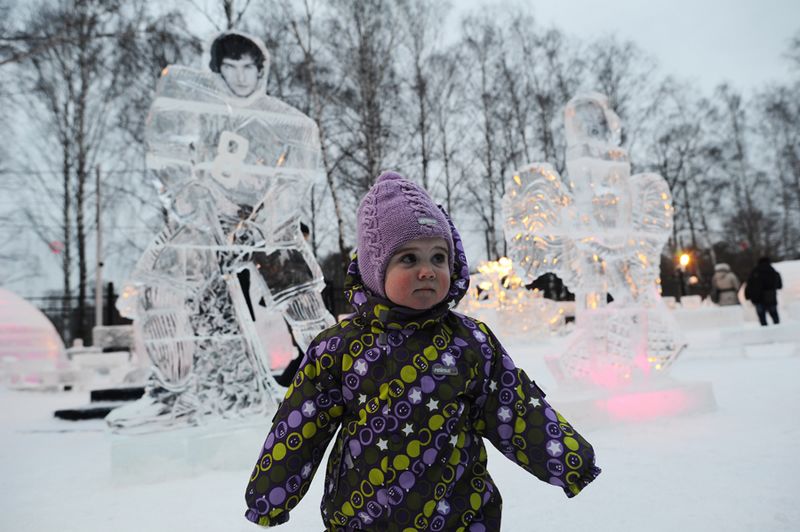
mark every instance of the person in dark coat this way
{"type": "Point", "coordinates": [761, 289]}
{"type": "Point", "coordinates": [415, 388]}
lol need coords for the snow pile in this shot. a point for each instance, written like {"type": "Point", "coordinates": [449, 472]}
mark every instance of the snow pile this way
{"type": "Point", "coordinates": [789, 296]}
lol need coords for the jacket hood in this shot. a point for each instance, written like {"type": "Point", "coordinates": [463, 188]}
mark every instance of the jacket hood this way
{"type": "Point", "coordinates": [764, 267]}
{"type": "Point", "coordinates": [380, 312]}
{"type": "Point", "coordinates": [252, 38]}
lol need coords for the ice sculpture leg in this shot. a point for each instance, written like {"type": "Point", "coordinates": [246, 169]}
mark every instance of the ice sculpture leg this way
{"type": "Point", "coordinates": [210, 363]}
{"type": "Point", "coordinates": [290, 281]}
{"type": "Point", "coordinates": [192, 320]}
{"type": "Point", "coordinates": [307, 317]}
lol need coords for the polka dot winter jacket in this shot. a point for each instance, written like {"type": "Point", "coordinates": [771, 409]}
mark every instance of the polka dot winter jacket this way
{"type": "Point", "coordinates": [415, 393]}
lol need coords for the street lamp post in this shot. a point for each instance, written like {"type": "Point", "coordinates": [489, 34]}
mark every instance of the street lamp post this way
{"type": "Point", "coordinates": [683, 262]}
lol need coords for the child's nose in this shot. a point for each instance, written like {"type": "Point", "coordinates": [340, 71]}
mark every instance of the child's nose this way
{"type": "Point", "coordinates": [426, 272]}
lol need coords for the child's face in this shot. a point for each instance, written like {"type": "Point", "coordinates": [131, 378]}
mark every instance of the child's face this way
{"type": "Point", "coordinates": [418, 274]}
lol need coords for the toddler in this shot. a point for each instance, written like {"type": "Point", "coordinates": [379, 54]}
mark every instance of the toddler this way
{"type": "Point", "coordinates": [415, 388]}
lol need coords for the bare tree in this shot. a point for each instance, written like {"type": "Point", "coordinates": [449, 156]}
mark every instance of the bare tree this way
{"type": "Point", "coordinates": [482, 42]}
{"type": "Point", "coordinates": [779, 113]}
{"type": "Point", "coordinates": [555, 78]}
{"type": "Point", "coordinates": [362, 44]}
{"type": "Point", "coordinates": [744, 180]}
{"type": "Point", "coordinates": [222, 14]}
{"type": "Point", "coordinates": [446, 105]}
{"type": "Point", "coordinates": [624, 73]}
{"type": "Point", "coordinates": [76, 91]}
{"type": "Point", "coordinates": [793, 52]}
{"type": "Point", "coordinates": [313, 77]}
{"type": "Point", "coordinates": [676, 153]}
{"type": "Point", "coordinates": [420, 20]}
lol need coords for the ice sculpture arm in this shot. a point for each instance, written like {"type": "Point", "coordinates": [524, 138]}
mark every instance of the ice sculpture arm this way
{"type": "Point", "coordinates": [537, 209]}
{"type": "Point", "coordinates": [301, 430]}
{"type": "Point", "coordinates": [526, 429]}
{"type": "Point", "coordinates": [652, 206]}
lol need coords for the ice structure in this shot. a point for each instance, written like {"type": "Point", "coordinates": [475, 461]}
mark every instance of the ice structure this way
{"type": "Point", "coordinates": [32, 354]}
{"type": "Point", "coordinates": [233, 174]}
{"type": "Point", "coordinates": [498, 296]}
{"type": "Point", "coordinates": [601, 230]}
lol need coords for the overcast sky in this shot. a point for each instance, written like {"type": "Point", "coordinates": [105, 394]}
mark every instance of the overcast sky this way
{"type": "Point", "coordinates": [705, 41]}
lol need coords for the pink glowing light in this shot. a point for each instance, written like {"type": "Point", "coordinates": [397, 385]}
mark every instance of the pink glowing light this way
{"type": "Point", "coordinates": [26, 334]}
{"type": "Point", "coordinates": [643, 406]}
{"type": "Point", "coordinates": [280, 358]}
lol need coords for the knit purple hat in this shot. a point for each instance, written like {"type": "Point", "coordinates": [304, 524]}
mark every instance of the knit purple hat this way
{"type": "Point", "coordinates": [393, 212]}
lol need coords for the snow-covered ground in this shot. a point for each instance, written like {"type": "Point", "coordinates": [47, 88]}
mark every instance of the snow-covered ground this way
{"type": "Point", "coordinates": [736, 468]}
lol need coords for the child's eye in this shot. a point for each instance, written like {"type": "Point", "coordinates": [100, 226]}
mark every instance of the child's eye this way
{"type": "Point", "coordinates": [408, 258]}
{"type": "Point", "coordinates": [439, 258]}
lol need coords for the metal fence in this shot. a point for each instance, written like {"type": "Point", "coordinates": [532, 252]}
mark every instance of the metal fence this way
{"type": "Point", "coordinates": [64, 312]}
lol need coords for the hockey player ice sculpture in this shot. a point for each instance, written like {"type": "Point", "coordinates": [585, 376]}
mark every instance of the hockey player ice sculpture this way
{"type": "Point", "coordinates": [601, 230]}
{"type": "Point", "coordinates": [233, 167]}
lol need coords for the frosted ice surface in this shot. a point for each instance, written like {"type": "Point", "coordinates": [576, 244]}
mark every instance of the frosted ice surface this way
{"type": "Point", "coordinates": [233, 174]}
{"type": "Point", "coordinates": [601, 230]}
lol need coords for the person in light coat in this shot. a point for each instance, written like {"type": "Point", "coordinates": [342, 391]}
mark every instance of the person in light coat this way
{"type": "Point", "coordinates": [724, 285]}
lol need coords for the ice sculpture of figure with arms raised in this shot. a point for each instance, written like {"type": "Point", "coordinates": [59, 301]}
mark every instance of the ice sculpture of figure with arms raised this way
{"type": "Point", "coordinates": [233, 167]}
{"type": "Point", "coordinates": [601, 230]}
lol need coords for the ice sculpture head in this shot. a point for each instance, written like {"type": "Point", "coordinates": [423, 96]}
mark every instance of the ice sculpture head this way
{"type": "Point", "coordinates": [241, 60]}
{"type": "Point", "coordinates": [588, 119]}
{"type": "Point", "coordinates": [598, 168]}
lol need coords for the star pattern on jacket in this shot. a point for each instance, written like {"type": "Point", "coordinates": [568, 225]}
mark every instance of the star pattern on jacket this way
{"type": "Point", "coordinates": [404, 427]}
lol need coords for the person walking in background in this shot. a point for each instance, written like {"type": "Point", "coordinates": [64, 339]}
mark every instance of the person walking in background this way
{"type": "Point", "coordinates": [724, 286]}
{"type": "Point", "coordinates": [761, 289]}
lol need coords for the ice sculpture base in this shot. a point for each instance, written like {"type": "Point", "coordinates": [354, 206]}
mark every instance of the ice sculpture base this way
{"type": "Point", "coordinates": [710, 317]}
{"type": "Point", "coordinates": [749, 340]}
{"type": "Point", "coordinates": [656, 399]}
{"type": "Point", "coordinates": [187, 452]}
{"type": "Point", "coordinates": [785, 332]}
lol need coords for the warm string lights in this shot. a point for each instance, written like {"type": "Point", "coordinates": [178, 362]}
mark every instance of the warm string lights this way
{"type": "Point", "coordinates": [497, 291]}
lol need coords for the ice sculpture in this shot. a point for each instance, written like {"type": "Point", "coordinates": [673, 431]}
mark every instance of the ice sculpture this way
{"type": "Point", "coordinates": [602, 231]}
{"type": "Point", "coordinates": [234, 168]}
{"type": "Point", "coordinates": [498, 296]}
{"type": "Point", "coordinates": [32, 354]}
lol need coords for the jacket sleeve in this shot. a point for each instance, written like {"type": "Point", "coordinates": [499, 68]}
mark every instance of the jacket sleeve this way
{"type": "Point", "coordinates": [520, 423]}
{"type": "Point", "coordinates": [301, 430]}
